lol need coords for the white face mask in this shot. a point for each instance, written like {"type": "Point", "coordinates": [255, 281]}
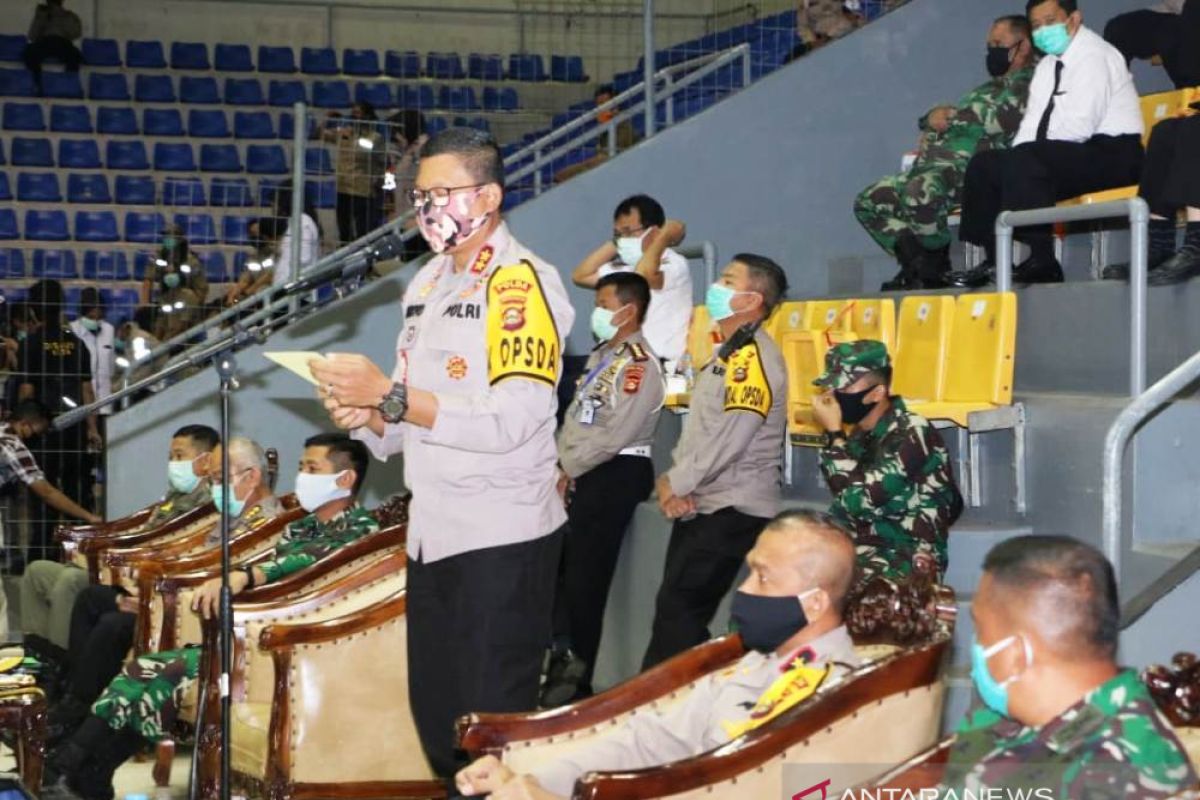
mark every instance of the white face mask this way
{"type": "Point", "coordinates": [314, 491]}
{"type": "Point", "coordinates": [629, 248]}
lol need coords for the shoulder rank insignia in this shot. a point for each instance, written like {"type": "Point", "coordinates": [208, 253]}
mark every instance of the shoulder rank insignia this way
{"type": "Point", "coordinates": [638, 352]}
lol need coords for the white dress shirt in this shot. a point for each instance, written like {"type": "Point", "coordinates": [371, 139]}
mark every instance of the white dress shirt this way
{"type": "Point", "coordinates": [100, 349]}
{"type": "Point", "coordinates": [1096, 95]}
{"type": "Point", "coordinates": [310, 242]}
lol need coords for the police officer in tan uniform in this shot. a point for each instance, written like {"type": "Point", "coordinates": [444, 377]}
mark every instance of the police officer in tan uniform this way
{"type": "Point", "coordinates": [604, 458]}
{"type": "Point", "coordinates": [471, 405]}
{"type": "Point", "coordinates": [724, 483]}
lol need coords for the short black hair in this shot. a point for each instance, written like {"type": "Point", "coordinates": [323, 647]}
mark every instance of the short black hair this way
{"type": "Point", "coordinates": [143, 317]}
{"type": "Point", "coordinates": [1069, 6]}
{"type": "Point", "coordinates": [882, 377]}
{"type": "Point", "coordinates": [767, 278]}
{"type": "Point", "coordinates": [604, 88]}
{"type": "Point", "coordinates": [203, 437]}
{"type": "Point", "coordinates": [344, 453]}
{"type": "Point", "coordinates": [1017, 23]}
{"type": "Point", "coordinates": [89, 298]}
{"type": "Point", "coordinates": [475, 148]}
{"type": "Point", "coordinates": [46, 298]}
{"type": "Point", "coordinates": [30, 411]}
{"type": "Point", "coordinates": [650, 211]}
{"type": "Point", "coordinates": [630, 288]}
{"type": "Point", "coordinates": [368, 109]}
{"type": "Point", "coordinates": [1086, 588]}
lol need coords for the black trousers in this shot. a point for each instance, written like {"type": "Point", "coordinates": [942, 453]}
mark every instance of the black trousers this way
{"type": "Point", "coordinates": [356, 215]}
{"type": "Point", "coordinates": [703, 558]}
{"type": "Point", "coordinates": [599, 514]}
{"type": "Point", "coordinates": [1038, 175]}
{"type": "Point", "coordinates": [478, 624]}
{"type": "Point", "coordinates": [1176, 39]}
{"type": "Point", "coordinates": [56, 47]}
{"type": "Point", "coordinates": [1171, 175]}
{"type": "Point", "coordinates": [101, 636]}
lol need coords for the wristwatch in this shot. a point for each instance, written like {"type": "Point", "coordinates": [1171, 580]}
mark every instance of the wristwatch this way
{"type": "Point", "coordinates": [249, 573]}
{"type": "Point", "coordinates": [395, 404]}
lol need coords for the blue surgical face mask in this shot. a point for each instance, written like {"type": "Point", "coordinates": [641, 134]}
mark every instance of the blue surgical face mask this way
{"type": "Point", "coordinates": [89, 324]}
{"type": "Point", "coordinates": [994, 693]}
{"type": "Point", "coordinates": [1052, 40]}
{"type": "Point", "coordinates": [235, 506]}
{"type": "Point", "coordinates": [602, 323]}
{"type": "Point", "coordinates": [182, 476]}
{"type": "Point", "coordinates": [718, 299]}
{"type": "Point", "coordinates": [629, 248]}
{"type": "Point", "coordinates": [22, 335]}
{"type": "Point", "coordinates": [168, 242]}
{"type": "Point", "coordinates": [171, 280]}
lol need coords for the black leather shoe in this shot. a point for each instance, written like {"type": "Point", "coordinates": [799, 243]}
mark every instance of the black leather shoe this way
{"type": "Point", "coordinates": [901, 283]}
{"type": "Point", "coordinates": [1038, 270]}
{"type": "Point", "coordinates": [1180, 267]}
{"type": "Point", "coordinates": [976, 278]}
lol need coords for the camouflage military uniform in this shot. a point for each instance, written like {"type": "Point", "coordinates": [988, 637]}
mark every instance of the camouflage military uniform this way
{"type": "Point", "coordinates": [893, 486]}
{"type": "Point", "coordinates": [177, 503]}
{"type": "Point", "coordinates": [146, 695]}
{"type": "Point", "coordinates": [1111, 744]}
{"type": "Point", "coordinates": [921, 199]}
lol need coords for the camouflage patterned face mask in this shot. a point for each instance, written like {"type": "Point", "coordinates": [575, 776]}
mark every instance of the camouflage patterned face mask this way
{"type": "Point", "coordinates": [446, 227]}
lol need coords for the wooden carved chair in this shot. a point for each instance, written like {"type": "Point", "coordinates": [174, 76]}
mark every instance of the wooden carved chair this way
{"type": "Point", "coordinates": [890, 706]}
{"type": "Point", "coordinates": [84, 546]}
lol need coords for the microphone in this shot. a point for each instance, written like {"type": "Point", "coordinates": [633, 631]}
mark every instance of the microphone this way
{"type": "Point", "coordinates": [354, 266]}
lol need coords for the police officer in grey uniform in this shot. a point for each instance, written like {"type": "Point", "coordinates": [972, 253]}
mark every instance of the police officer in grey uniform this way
{"type": "Point", "coordinates": [725, 479]}
{"type": "Point", "coordinates": [471, 405]}
{"type": "Point", "coordinates": [604, 453]}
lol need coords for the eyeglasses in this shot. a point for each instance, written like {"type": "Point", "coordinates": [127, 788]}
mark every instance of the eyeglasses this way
{"type": "Point", "coordinates": [216, 479]}
{"type": "Point", "coordinates": [629, 233]}
{"type": "Point", "coordinates": [438, 195]}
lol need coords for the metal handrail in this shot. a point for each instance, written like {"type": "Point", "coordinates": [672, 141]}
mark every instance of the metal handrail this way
{"type": "Point", "coordinates": [1138, 213]}
{"type": "Point", "coordinates": [706, 251]}
{"type": "Point", "coordinates": [1119, 434]}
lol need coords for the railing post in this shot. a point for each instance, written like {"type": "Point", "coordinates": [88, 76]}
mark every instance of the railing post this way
{"type": "Point", "coordinates": [537, 172]}
{"type": "Point", "coordinates": [612, 141]}
{"type": "Point", "coordinates": [1139, 223]}
{"type": "Point", "coordinates": [296, 215]}
{"type": "Point", "coordinates": [710, 263]}
{"type": "Point", "coordinates": [648, 63]}
{"type": "Point", "coordinates": [745, 66]}
{"type": "Point", "coordinates": [1004, 248]}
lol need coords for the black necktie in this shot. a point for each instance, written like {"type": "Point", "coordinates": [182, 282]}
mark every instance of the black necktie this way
{"type": "Point", "coordinates": [1044, 125]}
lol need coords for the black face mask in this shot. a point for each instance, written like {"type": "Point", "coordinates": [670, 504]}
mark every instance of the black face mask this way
{"type": "Point", "coordinates": [998, 60]}
{"type": "Point", "coordinates": [853, 405]}
{"type": "Point", "coordinates": [766, 622]}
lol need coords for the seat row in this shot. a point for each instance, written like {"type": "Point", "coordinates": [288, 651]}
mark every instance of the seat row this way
{"type": "Point", "coordinates": [119, 302]}
{"type": "Point", "coordinates": [140, 227]}
{"type": "Point", "coordinates": [104, 265]}
{"type": "Point", "coordinates": [318, 60]}
{"type": "Point", "coordinates": [95, 188]}
{"type": "Point", "coordinates": [260, 159]}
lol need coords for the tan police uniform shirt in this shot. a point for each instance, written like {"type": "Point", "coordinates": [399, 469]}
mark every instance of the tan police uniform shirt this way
{"type": "Point", "coordinates": [616, 406]}
{"type": "Point", "coordinates": [488, 342]}
{"type": "Point", "coordinates": [731, 449]}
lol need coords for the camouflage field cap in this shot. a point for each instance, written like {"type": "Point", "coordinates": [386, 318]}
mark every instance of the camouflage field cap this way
{"type": "Point", "coordinates": [847, 362]}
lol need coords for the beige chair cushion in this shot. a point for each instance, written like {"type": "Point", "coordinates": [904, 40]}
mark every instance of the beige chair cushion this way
{"type": "Point", "coordinates": [1190, 738]}
{"type": "Point", "coordinates": [249, 731]}
{"type": "Point", "coordinates": [875, 652]}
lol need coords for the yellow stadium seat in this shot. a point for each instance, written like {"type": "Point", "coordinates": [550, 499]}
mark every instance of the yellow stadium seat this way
{"type": "Point", "coordinates": [804, 355]}
{"type": "Point", "coordinates": [826, 315]}
{"type": "Point", "coordinates": [875, 319]}
{"type": "Point", "coordinates": [701, 343]}
{"type": "Point", "coordinates": [922, 347]}
{"type": "Point", "coordinates": [787, 317]}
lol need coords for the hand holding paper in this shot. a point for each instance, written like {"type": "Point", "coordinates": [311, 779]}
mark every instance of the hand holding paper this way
{"type": "Point", "coordinates": [296, 361]}
{"type": "Point", "coordinates": [350, 379]}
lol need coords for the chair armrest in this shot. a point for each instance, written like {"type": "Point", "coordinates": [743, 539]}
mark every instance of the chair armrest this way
{"type": "Point", "coordinates": [489, 733]}
{"type": "Point", "coordinates": [118, 557]}
{"type": "Point", "coordinates": [923, 771]}
{"type": "Point", "coordinates": [287, 636]}
{"type": "Point", "coordinates": [75, 533]}
{"type": "Point", "coordinates": [93, 544]}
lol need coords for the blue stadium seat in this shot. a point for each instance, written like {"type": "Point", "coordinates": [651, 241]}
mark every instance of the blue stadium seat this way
{"type": "Point", "coordinates": [126, 155]}
{"type": "Point", "coordinates": [213, 262]}
{"type": "Point", "coordinates": [515, 197]}
{"type": "Point", "coordinates": [193, 89]}
{"type": "Point", "coordinates": [435, 125]}
{"type": "Point", "coordinates": [266, 159]}
{"type": "Point", "coordinates": [317, 161]}
{"type": "Point", "coordinates": [208, 124]}
{"type": "Point", "coordinates": [5, 190]}
{"type": "Point", "coordinates": [244, 92]}
{"type": "Point", "coordinates": [276, 59]}
{"type": "Point", "coordinates": [181, 191]}
{"type": "Point", "coordinates": [105, 265]}
{"type": "Point", "coordinates": [101, 53]}
{"type": "Point", "coordinates": [402, 65]}
{"type": "Point", "coordinates": [119, 121]}
{"type": "Point", "coordinates": [499, 99]}
{"type": "Point", "coordinates": [108, 86]}
{"type": "Point", "coordinates": [38, 187]}
{"type": "Point", "coordinates": [96, 226]}
{"type": "Point", "coordinates": [56, 264]}
{"type": "Point", "coordinates": [419, 97]}
{"type": "Point", "coordinates": [162, 122]}
{"type": "Point", "coordinates": [121, 303]}
{"type": "Point", "coordinates": [360, 62]}
{"type": "Point", "coordinates": [318, 61]}
{"type": "Point", "coordinates": [230, 192]}
{"type": "Point", "coordinates": [189, 55]}
{"type": "Point", "coordinates": [458, 98]}
{"type": "Point", "coordinates": [287, 126]}
{"type": "Point", "coordinates": [70, 119]}
{"type": "Point", "coordinates": [12, 47]}
{"type": "Point", "coordinates": [509, 100]}
{"type": "Point", "coordinates": [232, 58]}
{"type": "Point", "coordinates": [219, 158]}
{"type": "Point", "coordinates": [331, 94]}
{"type": "Point", "coordinates": [445, 66]}
{"type": "Point", "coordinates": [46, 226]}
{"type": "Point", "coordinates": [8, 224]}
{"type": "Point", "coordinates": [567, 68]}
{"type": "Point", "coordinates": [488, 67]}
{"type": "Point", "coordinates": [23, 117]}
{"type": "Point", "coordinates": [239, 263]}
{"type": "Point", "coordinates": [321, 194]}
{"type": "Point", "coordinates": [267, 189]}
{"type": "Point", "coordinates": [253, 125]}
{"type": "Point", "coordinates": [527, 67]}
{"type": "Point", "coordinates": [286, 93]}
{"type": "Point", "coordinates": [377, 94]}
{"type": "Point", "coordinates": [16, 83]}
{"type": "Point", "coordinates": [171, 157]}
{"type": "Point", "coordinates": [135, 190]}
{"type": "Point", "coordinates": [79, 154]}
{"type": "Point", "coordinates": [88, 187]}
{"type": "Point", "coordinates": [62, 85]}
{"type": "Point", "coordinates": [197, 228]}
{"type": "Point", "coordinates": [235, 230]}
{"type": "Point", "coordinates": [153, 89]}
{"type": "Point", "coordinates": [31, 153]}
{"type": "Point", "coordinates": [12, 263]}
{"type": "Point", "coordinates": [143, 227]}
{"type": "Point", "coordinates": [144, 55]}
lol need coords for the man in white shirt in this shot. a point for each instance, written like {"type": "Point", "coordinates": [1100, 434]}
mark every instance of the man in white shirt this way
{"type": "Point", "coordinates": [97, 335]}
{"type": "Point", "coordinates": [1170, 30]}
{"type": "Point", "coordinates": [1082, 132]}
{"type": "Point", "coordinates": [642, 242]}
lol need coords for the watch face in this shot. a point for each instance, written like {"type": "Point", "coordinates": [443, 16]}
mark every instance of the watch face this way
{"type": "Point", "coordinates": [391, 408]}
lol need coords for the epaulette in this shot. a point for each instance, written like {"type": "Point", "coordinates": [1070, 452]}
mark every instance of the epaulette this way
{"type": "Point", "coordinates": [638, 352]}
